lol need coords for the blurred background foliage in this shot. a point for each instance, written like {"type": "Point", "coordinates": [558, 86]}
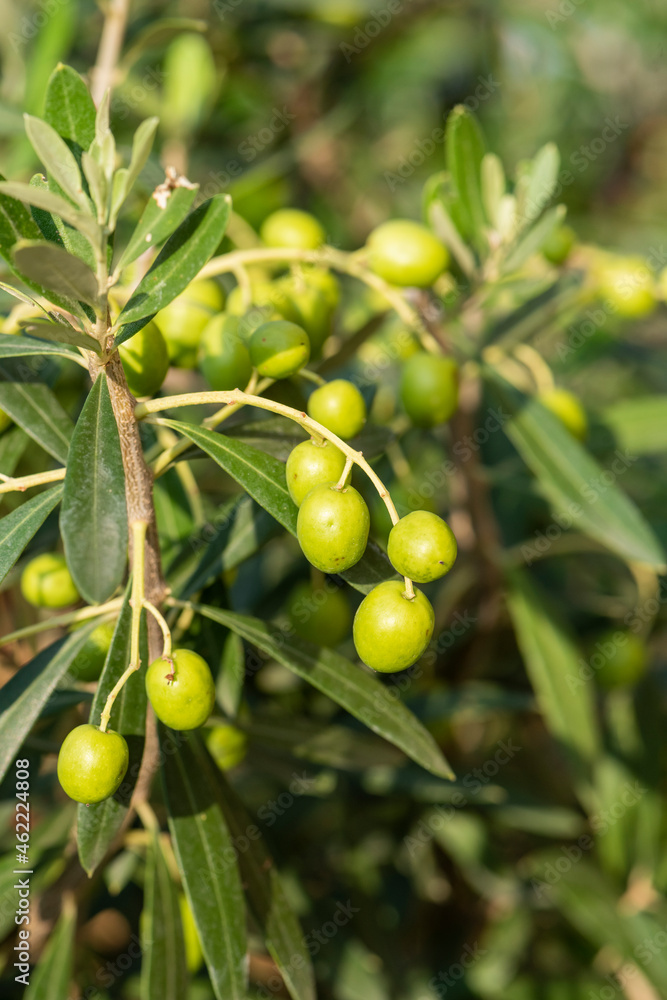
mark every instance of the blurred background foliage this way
{"type": "Point", "coordinates": [516, 881]}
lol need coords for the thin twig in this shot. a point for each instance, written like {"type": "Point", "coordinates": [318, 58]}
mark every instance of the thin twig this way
{"type": "Point", "coordinates": [111, 43]}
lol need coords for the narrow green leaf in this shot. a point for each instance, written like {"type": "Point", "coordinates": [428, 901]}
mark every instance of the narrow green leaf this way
{"type": "Point", "coordinates": [17, 528]}
{"type": "Point", "coordinates": [229, 683]}
{"type": "Point", "coordinates": [69, 108]}
{"type": "Point", "coordinates": [54, 268]}
{"type": "Point", "coordinates": [180, 260]}
{"type": "Point", "coordinates": [80, 242]}
{"type": "Point", "coordinates": [97, 183]}
{"type": "Point", "coordinates": [157, 223]}
{"type": "Point", "coordinates": [12, 446]}
{"type": "Point", "coordinates": [541, 183]}
{"type": "Point", "coordinates": [440, 212]}
{"type": "Point", "coordinates": [98, 824]}
{"type": "Point", "coordinates": [164, 971]}
{"type": "Point", "coordinates": [584, 496]}
{"type": "Point", "coordinates": [51, 977]}
{"type": "Point", "coordinates": [36, 409]}
{"type": "Point", "coordinates": [16, 346]}
{"type": "Point", "coordinates": [93, 517]}
{"type": "Point", "coordinates": [494, 186]}
{"type": "Point", "coordinates": [142, 143]}
{"type": "Point", "coordinates": [535, 238]}
{"type": "Point", "coordinates": [25, 694]}
{"type": "Point", "coordinates": [118, 192]}
{"type": "Point", "coordinates": [268, 901]}
{"type": "Point", "coordinates": [263, 477]}
{"type": "Point", "coordinates": [207, 860]}
{"type": "Point", "coordinates": [640, 425]}
{"type": "Point", "coordinates": [355, 690]}
{"type": "Point", "coordinates": [464, 151]}
{"type": "Point", "coordinates": [53, 203]}
{"type": "Point", "coordinates": [58, 159]}
{"type": "Point", "coordinates": [60, 334]}
{"type": "Point", "coordinates": [552, 661]}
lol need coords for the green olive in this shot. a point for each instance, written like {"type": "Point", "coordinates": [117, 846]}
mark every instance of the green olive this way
{"type": "Point", "coordinates": [145, 360]}
{"type": "Point", "coordinates": [320, 614]}
{"type": "Point", "coordinates": [559, 245]}
{"type": "Point", "coordinates": [92, 764]}
{"type": "Point", "coordinates": [567, 407]}
{"type": "Point", "coordinates": [279, 349]}
{"type": "Point", "coordinates": [338, 406]}
{"type": "Point", "coordinates": [181, 689]}
{"type": "Point", "coordinates": [332, 527]}
{"type": "Point", "coordinates": [390, 631]}
{"type": "Point", "coordinates": [310, 464]}
{"type": "Point", "coordinates": [627, 284]}
{"type": "Point", "coordinates": [422, 546]}
{"type": "Point", "coordinates": [227, 746]}
{"type": "Point", "coordinates": [46, 582]}
{"type": "Point", "coordinates": [406, 253]}
{"type": "Point", "coordinates": [224, 360]}
{"type": "Point", "coordinates": [290, 227]}
{"type": "Point", "coordinates": [88, 662]}
{"type": "Point", "coordinates": [429, 389]}
{"type": "Point", "coordinates": [182, 321]}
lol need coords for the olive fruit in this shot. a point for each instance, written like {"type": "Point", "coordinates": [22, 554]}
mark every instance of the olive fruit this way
{"type": "Point", "coordinates": [422, 546]}
{"type": "Point", "coordinates": [270, 299]}
{"type": "Point", "coordinates": [88, 662]}
{"type": "Point", "coordinates": [627, 284]}
{"type": "Point", "coordinates": [338, 406]}
{"type": "Point", "coordinates": [568, 409]}
{"type": "Point", "coordinates": [145, 360]}
{"type": "Point", "coordinates": [279, 349]}
{"type": "Point", "coordinates": [325, 282]}
{"type": "Point", "coordinates": [559, 244]}
{"type": "Point", "coordinates": [429, 389]}
{"type": "Point", "coordinates": [310, 464]}
{"type": "Point", "coordinates": [181, 689]}
{"type": "Point", "coordinates": [332, 527]}
{"type": "Point", "coordinates": [224, 360]}
{"type": "Point", "coordinates": [319, 614]}
{"type": "Point", "coordinates": [46, 582]}
{"type": "Point", "coordinates": [314, 315]}
{"type": "Point", "coordinates": [182, 321]}
{"type": "Point", "coordinates": [290, 227]}
{"type": "Point", "coordinates": [227, 745]}
{"type": "Point", "coordinates": [406, 253]}
{"type": "Point", "coordinates": [619, 659]}
{"type": "Point", "coordinates": [92, 764]}
{"type": "Point", "coordinates": [391, 631]}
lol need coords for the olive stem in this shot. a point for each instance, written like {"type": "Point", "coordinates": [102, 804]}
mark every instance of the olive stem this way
{"type": "Point", "coordinates": [70, 618]}
{"type": "Point", "coordinates": [349, 462]}
{"type": "Point", "coordinates": [164, 628]}
{"type": "Point", "coordinates": [326, 256]}
{"type": "Point", "coordinates": [10, 485]}
{"type": "Point", "coordinates": [137, 603]}
{"type": "Point", "coordinates": [312, 377]}
{"type": "Point", "coordinates": [235, 396]}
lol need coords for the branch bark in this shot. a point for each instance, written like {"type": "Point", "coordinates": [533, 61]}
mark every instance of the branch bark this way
{"type": "Point", "coordinates": [111, 43]}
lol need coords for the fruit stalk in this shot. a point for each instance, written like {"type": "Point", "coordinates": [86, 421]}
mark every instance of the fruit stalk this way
{"type": "Point", "coordinates": [235, 396]}
{"type": "Point", "coordinates": [10, 485]}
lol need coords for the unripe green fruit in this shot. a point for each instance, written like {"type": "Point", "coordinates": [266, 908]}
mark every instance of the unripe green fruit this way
{"type": "Point", "coordinates": [181, 689]}
{"type": "Point", "coordinates": [145, 360]}
{"type": "Point", "coordinates": [422, 546]}
{"type": "Point", "coordinates": [314, 316]}
{"type": "Point", "coordinates": [558, 246]}
{"type": "Point", "coordinates": [627, 284]}
{"type": "Point", "coordinates": [279, 349]}
{"type": "Point", "coordinates": [390, 631]}
{"type": "Point", "coordinates": [326, 283]}
{"type": "Point", "coordinates": [92, 764]}
{"type": "Point", "coordinates": [310, 465]}
{"type": "Point", "coordinates": [568, 409]}
{"type": "Point", "coordinates": [87, 664]}
{"type": "Point", "coordinates": [338, 406]}
{"type": "Point", "coordinates": [271, 298]}
{"type": "Point", "coordinates": [46, 582]}
{"type": "Point", "coordinates": [332, 527]}
{"type": "Point", "coordinates": [623, 657]}
{"type": "Point", "coordinates": [406, 253]}
{"type": "Point", "coordinates": [5, 421]}
{"type": "Point", "coordinates": [321, 615]}
{"type": "Point", "coordinates": [182, 322]}
{"type": "Point", "coordinates": [224, 360]}
{"type": "Point", "coordinates": [290, 227]}
{"type": "Point", "coordinates": [429, 389]}
{"type": "Point", "coordinates": [227, 746]}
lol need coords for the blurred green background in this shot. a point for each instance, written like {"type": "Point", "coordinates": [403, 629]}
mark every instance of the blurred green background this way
{"type": "Point", "coordinates": [409, 888]}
